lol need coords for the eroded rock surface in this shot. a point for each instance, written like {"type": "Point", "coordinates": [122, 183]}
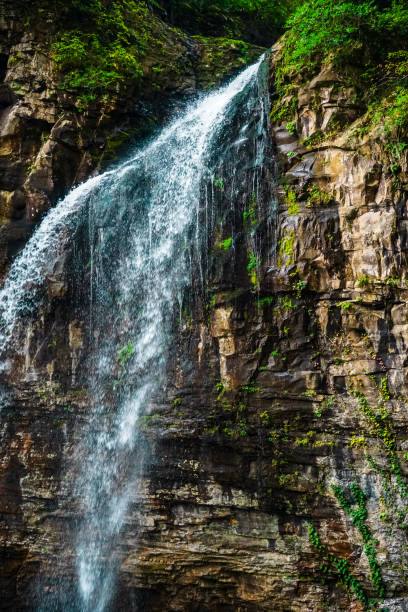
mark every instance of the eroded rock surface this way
{"type": "Point", "coordinates": [287, 378]}
{"type": "Point", "coordinates": [50, 141]}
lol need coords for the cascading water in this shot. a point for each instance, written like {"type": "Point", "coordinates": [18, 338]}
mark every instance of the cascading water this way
{"type": "Point", "coordinates": [148, 222]}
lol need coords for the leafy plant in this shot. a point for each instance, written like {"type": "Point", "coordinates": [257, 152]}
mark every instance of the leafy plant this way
{"type": "Point", "coordinates": [125, 353]}
{"type": "Point", "coordinates": [338, 566]}
{"type": "Point", "coordinates": [253, 265]}
{"type": "Point", "coordinates": [360, 40]}
{"type": "Point", "coordinates": [266, 301]}
{"type": "Point", "coordinates": [291, 202]}
{"type": "Point", "coordinates": [358, 518]}
{"type": "Point", "coordinates": [249, 216]}
{"type": "Point", "coordinates": [286, 248]}
{"type": "Point", "coordinates": [221, 17]}
{"type": "Point", "coordinates": [250, 388]}
{"type": "Point", "coordinates": [225, 245]}
{"type": "Point", "coordinates": [106, 49]}
{"type": "Point", "coordinates": [363, 281]}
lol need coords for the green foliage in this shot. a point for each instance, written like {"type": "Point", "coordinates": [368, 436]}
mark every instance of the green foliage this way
{"type": "Point", "coordinates": [221, 389]}
{"type": "Point", "coordinates": [249, 216]}
{"type": "Point", "coordinates": [298, 287]}
{"type": "Point", "coordinates": [291, 202]}
{"type": "Point", "coordinates": [384, 390]}
{"type": "Point", "coordinates": [383, 431]}
{"type": "Point", "coordinates": [235, 426]}
{"type": "Point", "coordinates": [358, 442]}
{"type": "Point", "coordinates": [324, 406]}
{"type": "Point", "coordinates": [253, 265]}
{"type": "Point", "coordinates": [317, 197]}
{"type": "Point", "coordinates": [335, 30]}
{"type": "Point", "coordinates": [264, 417]}
{"type": "Point", "coordinates": [259, 21]}
{"type": "Point", "coordinates": [250, 388]}
{"type": "Point", "coordinates": [363, 281]}
{"type": "Point", "coordinates": [338, 566]}
{"type": "Point", "coordinates": [358, 518]}
{"type": "Point", "coordinates": [106, 50]}
{"type": "Point", "coordinates": [125, 353]}
{"type": "Point", "coordinates": [266, 301]}
{"type": "Point", "coordinates": [286, 248]}
{"type": "Point", "coordinates": [123, 356]}
{"type": "Point", "coordinates": [362, 39]}
{"type": "Point", "coordinates": [225, 245]}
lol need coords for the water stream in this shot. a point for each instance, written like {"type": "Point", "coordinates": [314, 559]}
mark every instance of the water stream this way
{"type": "Point", "coordinates": [148, 222]}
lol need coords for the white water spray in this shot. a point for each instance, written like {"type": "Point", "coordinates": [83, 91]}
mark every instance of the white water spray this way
{"type": "Point", "coordinates": [141, 216]}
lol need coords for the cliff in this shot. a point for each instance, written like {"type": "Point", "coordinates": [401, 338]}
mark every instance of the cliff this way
{"type": "Point", "coordinates": [290, 429]}
{"type": "Point", "coordinates": [277, 476]}
{"type": "Point", "coordinates": [56, 131]}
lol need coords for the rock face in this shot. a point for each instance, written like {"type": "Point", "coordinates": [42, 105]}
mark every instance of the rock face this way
{"type": "Point", "coordinates": [278, 466]}
{"type": "Point", "coordinates": [50, 142]}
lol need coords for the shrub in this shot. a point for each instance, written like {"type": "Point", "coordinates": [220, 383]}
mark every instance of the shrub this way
{"type": "Point", "coordinates": [107, 49]}
{"type": "Point", "coordinates": [362, 40]}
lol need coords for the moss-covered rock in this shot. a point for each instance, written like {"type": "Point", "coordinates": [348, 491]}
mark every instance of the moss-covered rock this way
{"type": "Point", "coordinates": [81, 81]}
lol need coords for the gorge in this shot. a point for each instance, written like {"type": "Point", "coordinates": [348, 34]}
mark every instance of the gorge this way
{"type": "Point", "coordinates": [203, 315]}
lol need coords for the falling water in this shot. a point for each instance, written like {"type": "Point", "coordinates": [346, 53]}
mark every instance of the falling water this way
{"type": "Point", "coordinates": [147, 225]}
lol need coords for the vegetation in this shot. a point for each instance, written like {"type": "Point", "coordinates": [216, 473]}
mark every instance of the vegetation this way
{"type": "Point", "coordinates": [249, 216]}
{"type": "Point", "coordinates": [286, 248]}
{"type": "Point", "coordinates": [106, 49]}
{"type": "Point", "coordinates": [225, 244]}
{"type": "Point", "coordinates": [340, 568]}
{"type": "Point", "coordinates": [254, 263]}
{"type": "Point", "coordinates": [291, 201]}
{"type": "Point", "coordinates": [362, 40]}
{"type": "Point", "coordinates": [258, 21]}
{"type": "Point", "coordinates": [382, 428]}
{"type": "Point", "coordinates": [123, 356]}
{"type": "Point", "coordinates": [358, 518]}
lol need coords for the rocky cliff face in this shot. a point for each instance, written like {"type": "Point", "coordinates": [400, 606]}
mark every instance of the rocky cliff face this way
{"type": "Point", "coordinates": [277, 476]}
{"type": "Point", "coordinates": [51, 141]}
{"type": "Point", "coordinates": [288, 448]}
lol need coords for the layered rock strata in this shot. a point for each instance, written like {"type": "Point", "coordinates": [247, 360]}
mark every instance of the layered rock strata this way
{"type": "Point", "coordinates": [277, 478]}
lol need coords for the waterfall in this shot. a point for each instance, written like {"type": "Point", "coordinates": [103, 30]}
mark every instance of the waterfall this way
{"type": "Point", "coordinates": [148, 222]}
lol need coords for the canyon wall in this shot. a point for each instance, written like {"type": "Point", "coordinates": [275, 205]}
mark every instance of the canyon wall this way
{"type": "Point", "coordinates": [277, 473]}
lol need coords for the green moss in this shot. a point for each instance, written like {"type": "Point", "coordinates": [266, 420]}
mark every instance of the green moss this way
{"type": "Point", "coordinates": [250, 216]}
{"type": "Point", "coordinates": [225, 245]}
{"type": "Point", "coordinates": [286, 250]}
{"type": "Point", "coordinates": [266, 301]}
{"type": "Point", "coordinates": [361, 40]}
{"type": "Point", "coordinates": [254, 263]}
{"type": "Point", "coordinates": [106, 50]}
{"type": "Point", "coordinates": [291, 201]}
{"type": "Point", "coordinates": [317, 197]}
{"type": "Point", "coordinates": [101, 49]}
{"type": "Point", "coordinates": [259, 20]}
{"type": "Point", "coordinates": [222, 56]}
